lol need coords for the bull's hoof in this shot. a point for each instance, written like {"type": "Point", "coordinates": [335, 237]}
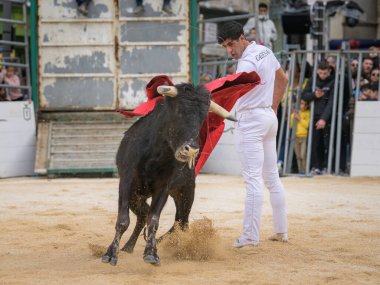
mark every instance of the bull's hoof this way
{"type": "Point", "coordinates": [113, 261]}
{"type": "Point", "coordinates": [106, 259]}
{"type": "Point", "coordinates": [110, 260]}
{"type": "Point", "coordinates": [154, 260]}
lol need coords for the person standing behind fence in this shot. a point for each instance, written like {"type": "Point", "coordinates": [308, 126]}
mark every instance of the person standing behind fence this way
{"type": "Point", "coordinates": [303, 119]}
{"type": "Point", "coordinates": [374, 56]}
{"type": "Point", "coordinates": [10, 78]}
{"type": "Point", "coordinates": [139, 9]}
{"type": "Point", "coordinates": [266, 29]}
{"type": "Point", "coordinates": [374, 78]}
{"type": "Point", "coordinates": [367, 65]}
{"type": "Point", "coordinates": [256, 133]}
{"type": "Point", "coordinates": [323, 102]}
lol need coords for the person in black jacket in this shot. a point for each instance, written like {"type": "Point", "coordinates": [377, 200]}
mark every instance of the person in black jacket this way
{"type": "Point", "coordinates": [323, 102]}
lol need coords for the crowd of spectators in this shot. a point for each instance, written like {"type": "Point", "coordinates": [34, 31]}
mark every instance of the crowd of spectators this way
{"type": "Point", "coordinates": [321, 93]}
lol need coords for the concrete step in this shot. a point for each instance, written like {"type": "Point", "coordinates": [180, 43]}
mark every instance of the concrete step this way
{"type": "Point", "coordinates": [85, 145]}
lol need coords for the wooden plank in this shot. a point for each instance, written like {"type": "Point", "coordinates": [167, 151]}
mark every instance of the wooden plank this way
{"type": "Point", "coordinates": [42, 148]}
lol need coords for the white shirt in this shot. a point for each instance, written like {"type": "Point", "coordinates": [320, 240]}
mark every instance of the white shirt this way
{"type": "Point", "coordinates": [262, 60]}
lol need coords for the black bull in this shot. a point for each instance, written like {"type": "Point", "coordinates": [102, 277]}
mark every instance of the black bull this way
{"type": "Point", "coordinates": [156, 159]}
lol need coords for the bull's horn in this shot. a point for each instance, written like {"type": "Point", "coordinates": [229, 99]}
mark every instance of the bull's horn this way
{"type": "Point", "coordinates": [166, 90]}
{"type": "Point", "coordinates": [220, 111]}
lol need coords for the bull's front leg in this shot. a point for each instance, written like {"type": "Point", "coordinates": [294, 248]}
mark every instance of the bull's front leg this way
{"type": "Point", "coordinates": [150, 252]}
{"type": "Point", "coordinates": [122, 223]}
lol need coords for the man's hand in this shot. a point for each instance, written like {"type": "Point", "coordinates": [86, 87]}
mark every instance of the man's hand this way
{"type": "Point", "coordinates": [321, 124]}
{"type": "Point", "coordinates": [319, 93]}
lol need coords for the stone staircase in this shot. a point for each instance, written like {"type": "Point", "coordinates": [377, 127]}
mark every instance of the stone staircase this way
{"type": "Point", "coordinates": [79, 146]}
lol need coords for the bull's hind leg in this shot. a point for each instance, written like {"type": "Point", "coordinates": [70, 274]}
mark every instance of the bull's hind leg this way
{"type": "Point", "coordinates": [121, 226]}
{"type": "Point", "coordinates": [183, 200]}
{"type": "Point", "coordinates": [140, 208]}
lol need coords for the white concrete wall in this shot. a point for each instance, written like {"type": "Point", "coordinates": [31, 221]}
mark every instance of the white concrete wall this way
{"type": "Point", "coordinates": [366, 140]}
{"type": "Point", "coordinates": [18, 139]}
{"type": "Point", "coordinates": [224, 158]}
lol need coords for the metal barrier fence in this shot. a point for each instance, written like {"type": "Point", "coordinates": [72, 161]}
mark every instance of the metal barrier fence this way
{"type": "Point", "coordinates": [339, 137]}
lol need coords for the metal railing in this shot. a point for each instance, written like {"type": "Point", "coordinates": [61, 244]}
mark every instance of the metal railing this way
{"type": "Point", "coordinates": [26, 66]}
{"type": "Point", "coordinates": [342, 73]}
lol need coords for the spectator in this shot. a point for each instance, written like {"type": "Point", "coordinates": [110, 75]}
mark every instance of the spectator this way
{"type": "Point", "coordinates": [369, 92]}
{"type": "Point", "coordinates": [289, 96]}
{"type": "Point", "coordinates": [354, 74]}
{"type": "Point", "coordinates": [367, 67]}
{"type": "Point", "coordinates": [205, 78]}
{"type": "Point", "coordinates": [323, 101]}
{"type": "Point", "coordinates": [331, 61]}
{"type": "Point", "coordinates": [231, 69]}
{"type": "Point", "coordinates": [266, 28]}
{"type": "Point", "coordinates": [375, 73]}
{"type": "Point", "coordinates": [83, 6]}
{"type": "Point", "coordinates": [354, 68]}
{"type": "Point", "coordinates": [345, 130]}
{"type": "Point", "coordinates": [10, 78]}
{"type": "Point", "coordinates": [303, 120]}
{"type": "Point", "coordinates": [139, 9]}
{"type": "Point", "coordinates": [374, 56]}
{"type": "Point", "coordinates": [364, 92]}
{"type": "Point", "coordinates": [251, 34]}
{"type": "Point", "coordinates": [373, 94]}
{"type": "Point", "coordinates": [3, 95]}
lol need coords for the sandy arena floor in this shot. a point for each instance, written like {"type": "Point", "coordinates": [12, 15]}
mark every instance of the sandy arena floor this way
{"type": "Point", "coordinates": [51, 232]}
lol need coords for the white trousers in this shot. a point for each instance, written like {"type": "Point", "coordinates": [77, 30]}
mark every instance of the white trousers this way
{"type": "Point", "coordinates": [256, 144]}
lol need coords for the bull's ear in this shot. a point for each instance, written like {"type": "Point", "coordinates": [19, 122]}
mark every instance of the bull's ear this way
{"type": "Point", "coordinates": [220, 111]}
{"type": "Point", "coordinates": [166, 90]}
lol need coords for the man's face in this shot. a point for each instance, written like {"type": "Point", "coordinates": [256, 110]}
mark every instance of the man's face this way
{"type": "Point", "coordinates": [263, 11]}
{"type": "Point", "coordinates": [323, 73]}
{"type": "Point", "coordinates": [365, 91]}
{"type": "Point", "coordinates": [331, 61]}
{"type": "Point", "coordinates": [367, 65]}
{"type": "Point", "coordinates": [354, 66]}
{"type": "Point", "coordinates": [10, 71]}
{"type": "Point", "coordinates": [234, 47]}
{"type": "Point", "coordinates": [375, 75]}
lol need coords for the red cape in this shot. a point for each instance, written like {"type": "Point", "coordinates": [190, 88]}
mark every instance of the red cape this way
{"type": "Point", "coordinates": [224, 91]}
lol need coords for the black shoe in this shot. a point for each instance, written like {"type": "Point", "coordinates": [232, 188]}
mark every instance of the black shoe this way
{"type": "Point", "coordinates": [167, 8]}
{"type": "Point", "coordinates": [138, 10]}
{"type": "Point", "coordinates": [83, 9]}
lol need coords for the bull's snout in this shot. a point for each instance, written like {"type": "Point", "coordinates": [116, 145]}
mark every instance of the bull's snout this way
{"type": "Point", "coordinates": [187, 153]}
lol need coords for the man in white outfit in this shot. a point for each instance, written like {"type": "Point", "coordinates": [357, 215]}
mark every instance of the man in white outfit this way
{"type": "Point", "coordinates": [256, 132]}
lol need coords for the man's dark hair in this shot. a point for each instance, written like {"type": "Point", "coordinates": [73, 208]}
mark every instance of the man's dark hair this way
{"type": "Point", "coordinates": [366, 58]}
{"type": "Point", "coordinates": [323, 65]}
{"type": "Point", "coordinates": [263, 5]}
{"type": "Point", "coordinates": [230, 30]}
